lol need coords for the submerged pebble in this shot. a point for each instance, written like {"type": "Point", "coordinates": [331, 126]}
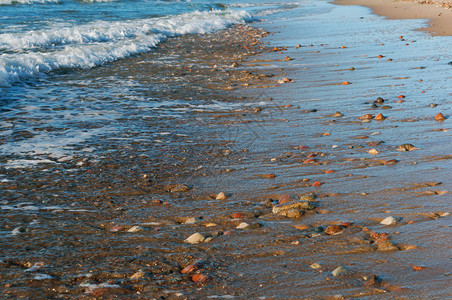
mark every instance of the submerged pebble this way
{"type": "Point", "coordinates": [339, 270]}
{"type": "Point", "coordinates": [195, 238]}
{"type": "Point", "coordinates": [389, 221]}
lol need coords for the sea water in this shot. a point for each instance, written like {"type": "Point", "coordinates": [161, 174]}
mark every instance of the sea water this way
{"type": "Point", "coordinates": [67, 67]}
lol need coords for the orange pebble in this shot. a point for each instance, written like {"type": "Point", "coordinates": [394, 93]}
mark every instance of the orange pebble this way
{"type": "Point", "coordinates": [329, 171]}
{"type": "Point", "coordinates": [418, 268]}
{"type": "Point", "coordinates": [380, 117]}
{"type": "Point", "coordinates": [366, 117]}
{"type": "Point", "coordinates": [237, 216]}
{"type": "Point", "coordinates": [380, 56]}
{"type": "Point", "coordinates": [317, 183]}
{"type": "Point", "coordinates": [345, 83]}
{"type": "Point", "coordinates": [401, 96]}
{"type": "Point", "coordinates": [199, 278]}
{"type": "Point", "coordinates": [440, 117]}
{"type": "Point", "coordinates": [310, 160]}
{"type": "Point", "coordinates": [311, 155]}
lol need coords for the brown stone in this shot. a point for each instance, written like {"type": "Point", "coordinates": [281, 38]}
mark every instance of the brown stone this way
{"type": "Point", "coordinates": [334, 229]}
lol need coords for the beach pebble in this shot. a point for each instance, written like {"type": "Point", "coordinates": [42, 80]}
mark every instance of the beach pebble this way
{"type": "Point", "coordinates": [406, 147]}
{"type": "Point", "coordinates": [137, 275]}
{"type": "Point", "coordinates": [334, 229]}
{"type": "Point", "coordinates": [337, 115]}
{"type": "Point", "coordinates": [366, 117]}
{"type": "Point", "coordinates": [305, 205]}
{"type": "Point", "coordinates": [221, 196]}
{"type": "Point", "coordinates": [389, 221]}
{"type": "Point", "coordinates": [245, 225]}
{"type": "Point", "coordinates": [190, 220]}
{"type": "Point", "coordinates": [315, 266]}
{"type": "Point", "coordinates": [440, 117]}
{"type": "Point", "coordinates": [195, 238]}
{"type": "Point", "coordinates": [372, 280]}
{"type": "Point", "coordinates": [179, 188]}
{"type": "Point", "coordinates": [199, 278]}
{"type": "Point", "coordinates": [192, 267]}
{"type": "Point", "coordinates": [338, 271]}
{"type": "Point", "coordinates": [293, 213]}
{"type": "Point", "coordinates": [385, 245]}
{"type": "Point", "coordinates": [373, 151]}
{"type": "Point", "coordinates": [135, 229]}
{"type": "Point", "coordinates": [380, 117]}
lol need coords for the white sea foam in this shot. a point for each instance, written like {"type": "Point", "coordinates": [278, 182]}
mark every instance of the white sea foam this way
{"type": "Point", "coordinates": [32, 53]}
{"type": "Point", "coordinates": [11, 2]}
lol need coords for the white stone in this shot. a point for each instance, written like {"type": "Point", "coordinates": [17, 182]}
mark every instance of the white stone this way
{"type": "Point", "coordinates": [195, 238]}
{"type": "Point", "coordinates": [243, 225]}
{"type": "Point", "coordinates": [389, 221]}
{"type": "Point", "coordinates": [135, 229]}
{"type": "Point", "coordinates": [221, 196]}
{"type": "Point", "coordinates": [338, 271]}
{"type": "Point", "coordinates": [190, 220]}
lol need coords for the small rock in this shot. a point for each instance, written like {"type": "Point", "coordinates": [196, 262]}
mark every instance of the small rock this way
{"type": "Point", "coordinates": [190, 220]}
{"type": "Point", "coordinates": [334, 229]}
{"type": "Point", "coordinates": [195, 238]}
{"type": "Point", "coordinates": [137, 275]}
{"type": "Point", "coordinates": [390, 162]}
{"type": "Point", "coordinates": [373, 151]}
{"type": "Point", "coordinates": [372, 280]}
{"type": "Point", "coordinates": [315, 266]}
{"type": "Point", "coordinates": [179, 188]}
{"type": "Point", "coordinates": [192, 267]}
{"type": "Point", "coordinates": [221, 196]}
{"type": "Point", "coordinates": [305, 205]}
{"type": "Point", "coordinates": [199, 278]}
{"type": "Point", "coordinates": [406, 147]}
{"type": "Point", "coordinates": [366, 117]}
{"type": "Point", "coordinates": [337, 115]}
{"type": "Point", "coordinates": [389, 221]}
{"type": "Point", "coordinates": [245, 225]}
{"type": "Point", "coordinates": [379, 100]}
{"type": "Point", "coordinates": [293, 213]}
{"type": "Point", "coordinates": [380, 117]}
{"type": "Point", "coordinates": [135, 229]}
{"type": "Point", "coordinates": [440, 117]}
{"type": "Point", "coordinates": [302, 227]}
{"type": "Point", "coordinates": [338, 271]}
{"type": "Point", "coordinates": [385, 245]}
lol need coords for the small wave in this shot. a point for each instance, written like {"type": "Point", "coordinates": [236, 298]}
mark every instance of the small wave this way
{"type": "Point", "coordinates": [13, 2]}
{"type": "Point", "coordinates": [84, 46]}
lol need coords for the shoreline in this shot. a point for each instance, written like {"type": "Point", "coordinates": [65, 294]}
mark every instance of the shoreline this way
{"type": "Point", "coordinates": [440, 17]}
{"type": "Point", "coordinates": [227, 171]}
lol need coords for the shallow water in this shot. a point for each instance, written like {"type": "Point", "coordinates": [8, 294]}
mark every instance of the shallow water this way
{"type": "Point", "coordinates": [87, 154]}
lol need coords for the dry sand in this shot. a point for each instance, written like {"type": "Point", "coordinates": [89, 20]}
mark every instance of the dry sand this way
{"type": "Point", "coordinates": [438, 12]}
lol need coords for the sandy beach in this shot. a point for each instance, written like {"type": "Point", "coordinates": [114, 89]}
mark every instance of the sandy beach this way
{"type": "Point", "coordinates": [316, 165]}
{"type": "Point", "coordinates": [438, 12]}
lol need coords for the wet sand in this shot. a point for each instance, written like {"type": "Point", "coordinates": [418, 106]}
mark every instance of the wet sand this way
{"type": "Point", "coordinates": [439, 13]}
{"type": "Point", "coordinates": [283, 124]}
